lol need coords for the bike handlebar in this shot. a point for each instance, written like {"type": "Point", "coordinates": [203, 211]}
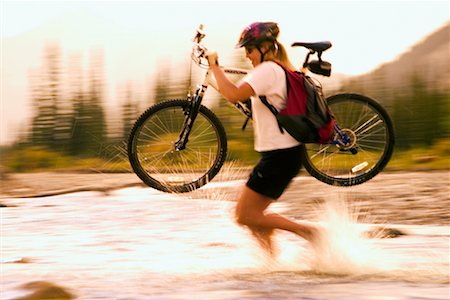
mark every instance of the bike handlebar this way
{"type": "Point", "coordinates": [199, 52]}
{"type": "Point", "coordinates": [199, 55]}
{"type": "Point", "coordinates": [199, 35]}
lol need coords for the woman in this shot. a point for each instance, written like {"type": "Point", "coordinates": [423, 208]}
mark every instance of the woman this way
{"type": "Point", "coordinates": [280, 153]}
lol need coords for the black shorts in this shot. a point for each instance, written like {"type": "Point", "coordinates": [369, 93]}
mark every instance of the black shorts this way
{"type": "Point", "coordinates": [274, 171]}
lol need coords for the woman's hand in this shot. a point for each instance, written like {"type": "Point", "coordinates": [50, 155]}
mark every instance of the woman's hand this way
{"type": "Point", "coordinates": [228, 89]}
{"type": "Point", "coordinates": [213, 58]}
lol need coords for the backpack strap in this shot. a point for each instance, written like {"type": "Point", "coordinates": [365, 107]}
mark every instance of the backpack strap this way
{"type": "Point", "coordinates": [272, 109]}
{"type": "Point", "coordinates": [270, 106]}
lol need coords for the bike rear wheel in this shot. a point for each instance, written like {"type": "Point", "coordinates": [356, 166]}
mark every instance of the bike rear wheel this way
{"type": "Point", "coordinates": [152, 153]}
{"type": "Point", "coordinates": [361, 150]}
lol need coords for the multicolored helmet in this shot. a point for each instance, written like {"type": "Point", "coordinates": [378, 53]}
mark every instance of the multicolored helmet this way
{"type": "Point", "coordinates": [258, 32]}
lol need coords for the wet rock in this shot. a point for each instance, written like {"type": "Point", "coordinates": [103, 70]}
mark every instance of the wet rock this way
{"type": "Point", "coordinates": [219, 244]}
{"type": "Point", "coordinates": [3, 204]}
{"type": "Point", "coordinates": [16, 260]}
{"type": "Point", "coordinates": [45, 290]}
{"type": "Point", "coordinates": [383, 233]}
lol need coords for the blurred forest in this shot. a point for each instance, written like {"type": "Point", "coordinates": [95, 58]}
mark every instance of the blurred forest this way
{"type": "Point", "coordinates": [72, 129]}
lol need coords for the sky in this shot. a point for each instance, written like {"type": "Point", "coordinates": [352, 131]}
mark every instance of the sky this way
{"type": "Point", "coordinates": [381, 29]}
{"type": "Point", "coordinates": [364, 34]}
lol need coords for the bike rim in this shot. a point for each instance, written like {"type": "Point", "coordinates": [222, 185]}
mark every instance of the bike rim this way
{"type": "Point", "coordinates": [167, 167]}
{"type": "Point", "coordinates": [368, 133]}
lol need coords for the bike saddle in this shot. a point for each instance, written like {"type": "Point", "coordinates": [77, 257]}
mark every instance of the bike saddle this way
{"type": "Point", "coordinates": [317, 47]}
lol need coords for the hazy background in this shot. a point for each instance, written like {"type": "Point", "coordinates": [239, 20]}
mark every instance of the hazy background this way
{"type": "Point", "coordinates": [93, 66]}
{"type": "Point", "coordinates": [76, 75]}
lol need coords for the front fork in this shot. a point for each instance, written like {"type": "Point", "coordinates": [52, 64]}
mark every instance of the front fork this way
{"type": "Point", "coordinates": [190, 113]}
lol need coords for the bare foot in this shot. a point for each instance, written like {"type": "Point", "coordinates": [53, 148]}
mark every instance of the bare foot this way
{"type": "Point", "coordinates": [313, 233]}
{"type": "Point", "coordinates": [317, 236]}
{"type": "Point", "coordinates": [264, 238]}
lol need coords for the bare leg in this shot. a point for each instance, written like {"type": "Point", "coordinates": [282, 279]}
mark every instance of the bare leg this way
{"type": "Point", "coordinates": [250, 211]}
{"type": "Point", "coordinates": [264, 238]}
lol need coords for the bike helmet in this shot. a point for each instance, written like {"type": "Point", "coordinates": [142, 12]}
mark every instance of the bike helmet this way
{"type": "Point", "coordinates": [258, 32]}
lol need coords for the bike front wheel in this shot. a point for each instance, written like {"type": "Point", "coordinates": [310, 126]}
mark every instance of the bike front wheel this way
{"type": "Point", "coordinates": [362, 146]}
{"type": "Point", "coordinates": [156, 161]}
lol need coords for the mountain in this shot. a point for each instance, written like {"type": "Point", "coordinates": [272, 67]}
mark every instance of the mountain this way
{"type": "Point", "coordinates": [428, 60]}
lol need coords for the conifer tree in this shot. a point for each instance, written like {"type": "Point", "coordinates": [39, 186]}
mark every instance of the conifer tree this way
{"type": "Point", "coordinates": [46, 95]}
{"type": "Point", "coordinates": [129, 112]}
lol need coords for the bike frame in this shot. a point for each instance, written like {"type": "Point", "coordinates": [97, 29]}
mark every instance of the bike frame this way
{"type": "Point", "coordinates": [196, 100]}
{"type": "Point", "coordinates": [341, 139]}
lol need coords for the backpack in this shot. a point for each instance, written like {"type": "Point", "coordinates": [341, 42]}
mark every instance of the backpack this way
{"type": "Point", "coordinates": [306, 116]}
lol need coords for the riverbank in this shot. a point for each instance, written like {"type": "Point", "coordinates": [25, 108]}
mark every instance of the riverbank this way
{"type": "Point", "coordinates": [43, 184]}
{"type": "Point", "coordinates": [404, 198]}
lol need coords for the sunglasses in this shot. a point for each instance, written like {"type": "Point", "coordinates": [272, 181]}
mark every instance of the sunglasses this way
{"type": "Point", "coordinates": [249, 49]}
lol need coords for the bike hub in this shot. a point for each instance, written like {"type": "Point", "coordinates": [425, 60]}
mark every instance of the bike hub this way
{"type": "Point", "coordinates": [346, 140]}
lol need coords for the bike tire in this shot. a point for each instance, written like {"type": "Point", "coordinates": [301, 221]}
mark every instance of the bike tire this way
{"type": "Point", "coordinates": [152, 153]}
{"type": "Point", "coordinates": [372, 136]}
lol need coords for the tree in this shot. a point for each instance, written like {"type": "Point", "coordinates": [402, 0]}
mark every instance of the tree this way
{"type": "Point", "coordinates": [88, 124]}
{"type": "Point", "coordinates": [129, 112]}
{"type": "Point", "coordinates": [51, 120]}
{"type": "Point", "coordinates": [93, 112]}
{"type": "Point", "coordinates": [420, 114]}
{"type": "Point", "coordinates": [170, 86]}
{"type": "Point", "coordinates": [77, 100]}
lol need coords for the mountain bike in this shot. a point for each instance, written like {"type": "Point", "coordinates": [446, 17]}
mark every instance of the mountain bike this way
{"type": "Point", "coordinates": [180, 145]}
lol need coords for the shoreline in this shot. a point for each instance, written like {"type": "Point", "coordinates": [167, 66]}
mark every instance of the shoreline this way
{"type": "Point", "coordinates": [44, 184]}
{"type": "Point", "coordinates": [53, 183]}
{"type": "Point", "coordinates": [415, 198]}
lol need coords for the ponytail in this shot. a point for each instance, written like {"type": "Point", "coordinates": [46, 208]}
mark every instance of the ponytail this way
{"type": "Point", "coordinates": [276, 51]}
{"type": "Point", "coordinates": [282, 56]}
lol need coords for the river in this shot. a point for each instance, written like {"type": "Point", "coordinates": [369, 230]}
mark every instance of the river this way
{"type": "Point", "coordinates": [138, 243]}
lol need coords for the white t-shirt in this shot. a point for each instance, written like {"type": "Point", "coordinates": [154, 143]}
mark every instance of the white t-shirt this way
{"type": "Point", "coordinates": [268, 79]}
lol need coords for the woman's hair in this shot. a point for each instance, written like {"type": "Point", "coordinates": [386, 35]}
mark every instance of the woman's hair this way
{"type": "Point", "coordinates": [278, 52]}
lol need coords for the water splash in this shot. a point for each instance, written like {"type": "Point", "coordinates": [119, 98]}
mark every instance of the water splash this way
{"type": "Point", "coordinates": [343, 249]}
{"type": "Point", "coordinates": [346, 249]}
{"type": "Point", "coordinates": [352, 245]}
{"type": "Point", "coordinates": [224, 185]}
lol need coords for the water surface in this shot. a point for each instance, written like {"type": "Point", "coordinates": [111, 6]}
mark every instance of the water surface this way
{"type": "Point", "coordinates": [138, 243]}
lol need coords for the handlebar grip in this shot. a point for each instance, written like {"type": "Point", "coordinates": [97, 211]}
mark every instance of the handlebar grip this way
{"type": "Point", "coordinates": [200, 34]}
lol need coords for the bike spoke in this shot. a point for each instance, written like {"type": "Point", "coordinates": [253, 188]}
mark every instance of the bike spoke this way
{"type": "Point", "coordinates": [156, 153]}
{"type": "Point", "coordinates": [363, 145]}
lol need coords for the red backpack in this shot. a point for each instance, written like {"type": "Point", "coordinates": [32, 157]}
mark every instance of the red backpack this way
{"type": "Point", "coordinates": [306, 116]}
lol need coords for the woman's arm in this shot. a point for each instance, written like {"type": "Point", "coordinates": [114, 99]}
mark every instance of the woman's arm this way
{"type": "Point", "coordinates": [227, 88]}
